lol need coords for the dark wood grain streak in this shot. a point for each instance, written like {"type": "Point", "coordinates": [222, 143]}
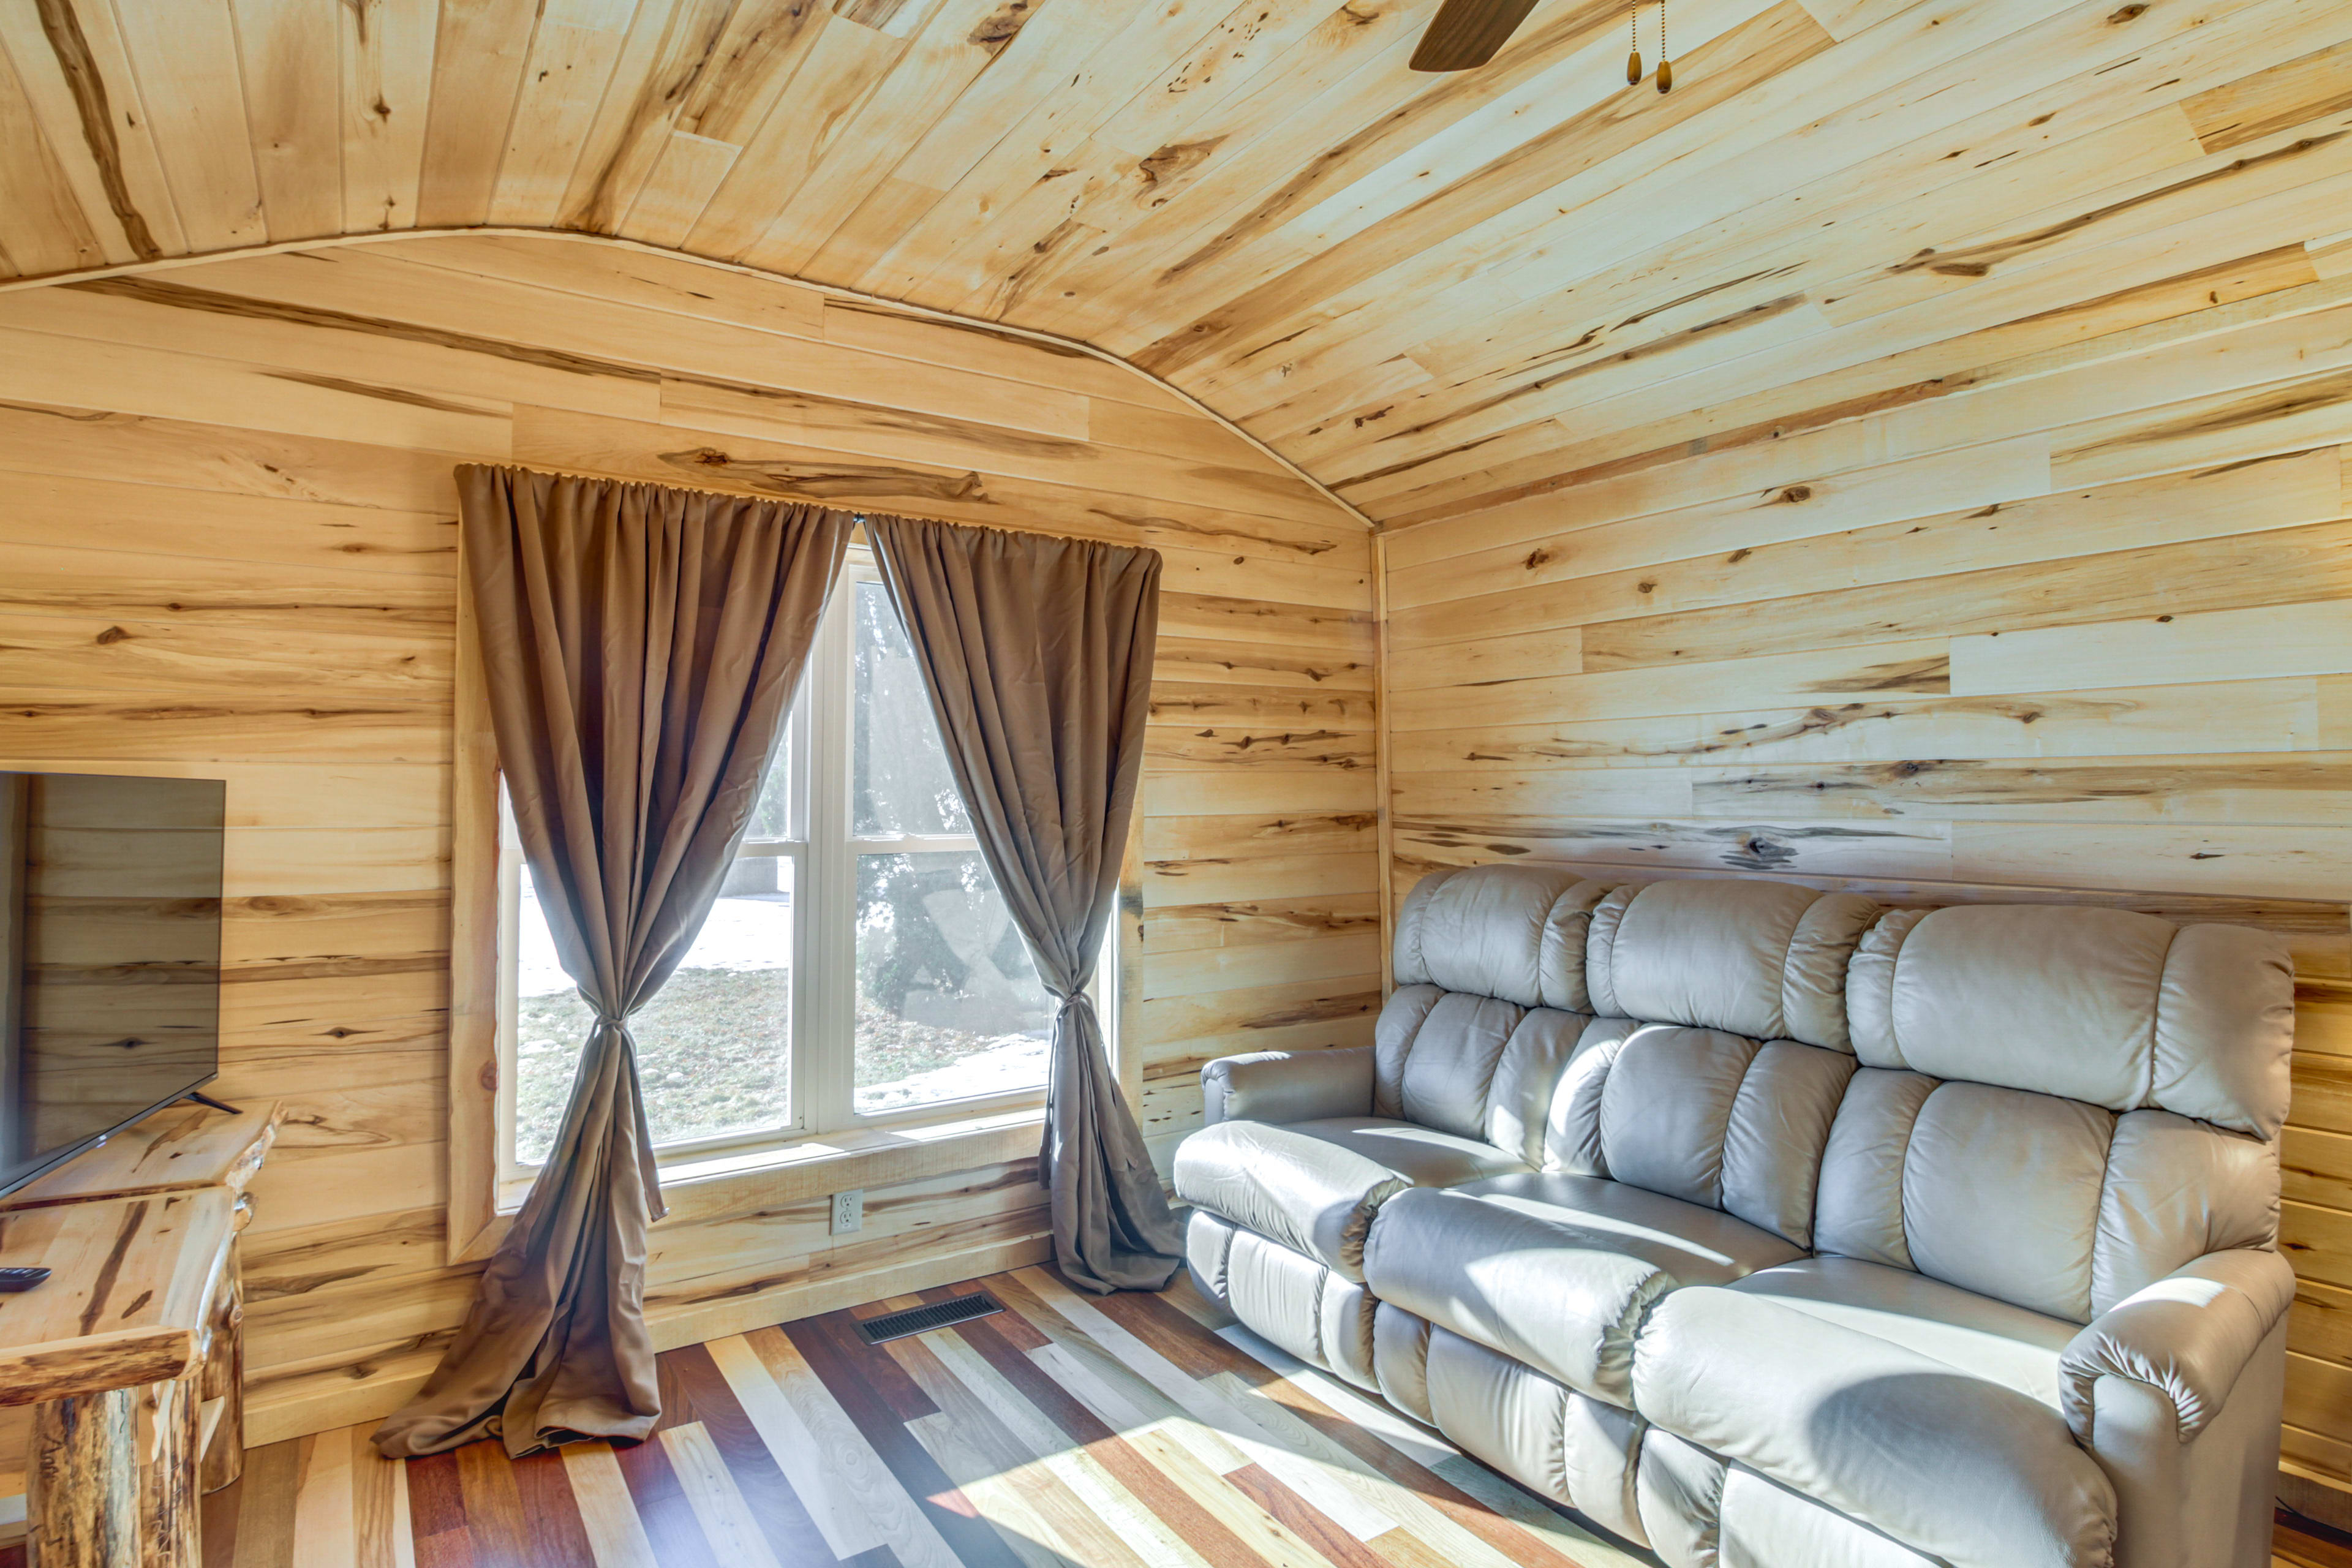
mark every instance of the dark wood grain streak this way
{"type": "Point", "coordinates": [179, 296]}
{"type": "Point", "coordinates": [62, 27]}
{"type": "Point", "coordinates": [135, 1219]}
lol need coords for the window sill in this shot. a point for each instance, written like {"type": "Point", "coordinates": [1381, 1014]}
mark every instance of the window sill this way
{"type": "Point", "coordinates": [821, 1163]}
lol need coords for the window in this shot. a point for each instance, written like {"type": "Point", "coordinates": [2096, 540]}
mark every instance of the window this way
{"type": "Point", "coordinates": [859, 966]}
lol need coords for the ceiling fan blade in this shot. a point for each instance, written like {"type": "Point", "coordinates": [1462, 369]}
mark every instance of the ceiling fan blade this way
{"type": "Point", "coordinates": [1467, 33]}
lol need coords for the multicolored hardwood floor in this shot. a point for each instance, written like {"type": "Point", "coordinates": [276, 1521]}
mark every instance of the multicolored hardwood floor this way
{"type": "Point", "coordinates": [1066, 1432]}
{"type": "Point", "coordinates": [1131, 1432]}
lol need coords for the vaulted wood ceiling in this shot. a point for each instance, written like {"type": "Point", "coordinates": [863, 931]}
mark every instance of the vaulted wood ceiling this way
{"type": "Point", "coordinates": [1431, 292]}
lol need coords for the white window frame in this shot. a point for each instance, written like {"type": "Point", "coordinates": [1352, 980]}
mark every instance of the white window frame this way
{"type": "Point", "coordinates": [824, 856]}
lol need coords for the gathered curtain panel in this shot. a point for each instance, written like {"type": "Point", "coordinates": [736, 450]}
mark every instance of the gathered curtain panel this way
{"type": "Point", "coordinates": [641, 645]}
{"type": "Point", "coordinates": [1037, 653]}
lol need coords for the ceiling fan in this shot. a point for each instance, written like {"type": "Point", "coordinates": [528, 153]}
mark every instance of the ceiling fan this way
{"type": "Point", "coordinates": [1465, 34]}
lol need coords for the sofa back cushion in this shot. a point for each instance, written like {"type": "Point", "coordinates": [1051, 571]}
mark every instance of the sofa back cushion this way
{"type": "Point", "coordinates": [1489, 964]}
{"type": "Point", "coordinates": [2048, 1203]}
{"type": "Point", "coordinates": [2113, 1008]}
{"type": "Point", "coordinates": [1702, 1115]}
{"type": "Point", "coordinates": [2055, 1105]}
{"type": "Point", "coordinates": [1514, 932]}
{"type": "Point", "coordinates": [1435, 1053]}
{"type": "Point", "coordinates": [1767, 960]}
{"type": "Point", "coordinates": [1716, 1078]}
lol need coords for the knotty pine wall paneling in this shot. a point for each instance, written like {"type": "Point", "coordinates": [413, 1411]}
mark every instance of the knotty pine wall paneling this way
{"type": "Point", "coordinates": [229, 531]}
{"type": "Point", "coordinates": [2080, 619]}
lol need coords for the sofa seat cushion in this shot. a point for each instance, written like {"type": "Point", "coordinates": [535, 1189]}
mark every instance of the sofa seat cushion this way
{"type": "Point", "coordinates": [1966, 1332]}
{"type": "Point", "coordinates": [1959, 1467]}
{"type": "Point", "coordinates": [1562, 1299]}
{"type": "Point", "coordinates": [1421, 1155]}
{"type": "Point", "coordinates": [1314, 1186]}
{"type": "Point", "coordinates": [1696, 1244]}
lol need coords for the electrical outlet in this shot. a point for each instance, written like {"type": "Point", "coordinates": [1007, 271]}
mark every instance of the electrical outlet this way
{"type": "Point", "coordinates": [849, 1211]}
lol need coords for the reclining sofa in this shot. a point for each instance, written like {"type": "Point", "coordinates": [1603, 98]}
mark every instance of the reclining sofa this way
{"type": "Point", "coordinates": [1766, 1226]}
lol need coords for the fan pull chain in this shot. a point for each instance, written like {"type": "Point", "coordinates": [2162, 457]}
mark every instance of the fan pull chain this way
{"type": "Point", "coordinates": [1633, 28]}
{"type": "Point", "coordinates": [1665, 64]}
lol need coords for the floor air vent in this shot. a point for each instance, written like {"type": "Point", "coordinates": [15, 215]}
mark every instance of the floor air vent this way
{"type": "Point", "coordinates": [923, 1320]}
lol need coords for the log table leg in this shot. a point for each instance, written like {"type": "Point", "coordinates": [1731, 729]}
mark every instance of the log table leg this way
{"type": "Point", "coordinates": [82, 1484]}
{"type": "Point", "coordinates": [224, 1379]}
{"type": "Point", "coordinates": [170, 1516]}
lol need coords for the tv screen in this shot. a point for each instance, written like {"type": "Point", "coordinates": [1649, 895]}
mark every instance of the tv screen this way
{"type": "Point", "coordinates": [110, 957]}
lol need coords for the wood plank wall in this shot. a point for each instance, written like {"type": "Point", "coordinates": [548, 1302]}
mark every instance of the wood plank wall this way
{"type": "Point", "coordinates": [2075, 616]}
{"type": "Point", "coordinates": [229, 527]}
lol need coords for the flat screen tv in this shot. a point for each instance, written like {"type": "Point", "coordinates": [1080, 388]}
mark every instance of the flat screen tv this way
{"type": "Point", "coordinates": [110, 957]}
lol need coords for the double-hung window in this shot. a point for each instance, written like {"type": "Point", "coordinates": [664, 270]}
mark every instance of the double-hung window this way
{"type": "Point", "coordinates": [859, 967]}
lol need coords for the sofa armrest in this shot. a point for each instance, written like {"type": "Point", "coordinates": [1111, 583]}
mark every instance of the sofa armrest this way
{"type": "Point", "coordinates": [1314, 1198]}
{"type": "Point", "coordinates": [2186, 1337]}
{"type": "Point", "coordinates": [1289, 1085]}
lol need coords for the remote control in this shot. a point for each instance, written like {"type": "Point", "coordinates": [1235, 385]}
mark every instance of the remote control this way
{"type": "Point", "coordinates": [16, 1280]}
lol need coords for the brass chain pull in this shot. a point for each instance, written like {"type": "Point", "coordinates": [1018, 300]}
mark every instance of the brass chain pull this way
{"type": "Point", "coordinates": [1633, 28]}
{"type": "Point", "coordinates": [1665, 65]}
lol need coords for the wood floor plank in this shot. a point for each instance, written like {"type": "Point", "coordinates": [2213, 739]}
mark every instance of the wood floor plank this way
{"type": "Point", "coordinates": [1402, 1549]}
{"type": "Point", "coordinates": [265, 1514]}
{"type": "Point", "coordinates": [726, 1522]}
{"type": "Point", "coordinates": [663, 1509]}
{"type": "Point", "coordinates": [923, 1517]}
{"type": "Point", "coordinates": [792, 1533]}
{"type": "Point", "coordinates": [1303, 1520]}
{"type": "Point", "coordinates": [1209, 1405]}
{"type": "Point", "coordinates": [1198, 1529]}
{"type": "Point", "coordinates": [325, 1525]}
{"type": "Point", "coordinates": [1404, 1504]}
{"type": "Point", "coordinates": [380, 1515]}
{"type": "Point", "coordinates": [1525, 1529]}
{"type": "Point", "coordinates": [865, 1505]}
{"type": "Point", "coordinates": [449, 1548]}
{"type": "Point", "coordinates": [1006, 1508]}
{"type": "Point", "coordinates": [1125, 1403]}
{"type": "Point", "coordinates": [1074, 1461]}
{"type": "Point", "coordinates": [550, 1511]}
{"type": "Point", "coordinates": [1019, 1458]}
{"type": "Point", "coordinates": [1118, 1393]}
{"type": "Point", "coordinates": [1267, 1537]}
{"type": "Point", "coordinates": [809, 1466]}
{"type": "Point", "coordinates": [437, 1507]}
{"type": "Point", "coordinates": [1176, 1337]}
{"type": "Point", "coordinates": [493, 1503]}
{"type": "Point", "coordinates": [616, 1536]}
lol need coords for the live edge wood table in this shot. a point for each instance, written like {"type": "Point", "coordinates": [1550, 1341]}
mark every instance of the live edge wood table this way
{"type": "Point", "coordinates": [132, 1353]}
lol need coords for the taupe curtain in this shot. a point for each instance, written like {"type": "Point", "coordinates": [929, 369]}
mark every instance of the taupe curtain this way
{"type": "Point", "coordinates": [641, 645]}
{"type": "Point", "coordinates": [1037, 656]}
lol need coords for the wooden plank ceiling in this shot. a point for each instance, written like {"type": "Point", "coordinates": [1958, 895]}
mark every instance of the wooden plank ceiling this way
{"type": "Point", "coordinates": [1433, 293]}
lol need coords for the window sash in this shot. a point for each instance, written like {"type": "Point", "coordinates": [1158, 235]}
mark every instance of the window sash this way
{"type": "Point", "coordinates": [825, 856]}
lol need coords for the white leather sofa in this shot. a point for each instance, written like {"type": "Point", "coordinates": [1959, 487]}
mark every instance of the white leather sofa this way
{"type": "Point", "coordinates": [1765, 1226]}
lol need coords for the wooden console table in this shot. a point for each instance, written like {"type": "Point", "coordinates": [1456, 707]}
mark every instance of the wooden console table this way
{"type": "Point", "coordinates": [132, 1353]}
